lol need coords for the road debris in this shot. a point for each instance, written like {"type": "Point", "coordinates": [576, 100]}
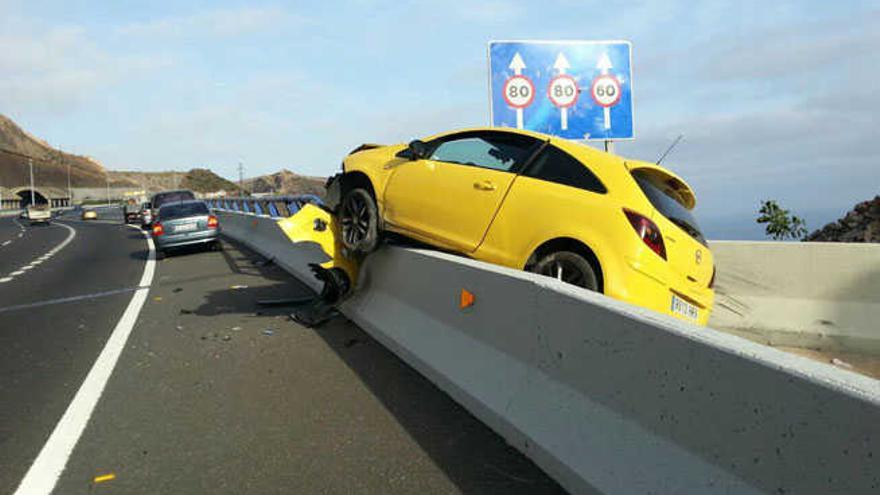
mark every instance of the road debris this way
{"type": "Point", "coordinates": [226, 338]}
{"type": "Point", "coordinates": [238, 287]}
{"type": "Point", "coordinates": [177, 289]}
{"type": "Point", "coordinates": [841, 363]}
{"type": "Point", "coordinates": [104, 477]}
{"type": "Point", "coordinates": [268, 332]}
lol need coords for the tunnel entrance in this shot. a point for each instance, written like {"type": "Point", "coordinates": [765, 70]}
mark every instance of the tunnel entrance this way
{"type": "Point", "coordinates": [25, 198]}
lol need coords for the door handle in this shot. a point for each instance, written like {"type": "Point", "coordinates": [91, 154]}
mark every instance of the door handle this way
{"type": "Point", "coordinates": [484, 186]}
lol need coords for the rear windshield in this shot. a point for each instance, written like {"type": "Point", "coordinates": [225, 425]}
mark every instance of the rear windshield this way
{"type": "Point", "coordinates": [669, 207]}
{"type": "Point", "coordinates": [182, 210]}
{"type": "Point", "coordinates": [172, 197]}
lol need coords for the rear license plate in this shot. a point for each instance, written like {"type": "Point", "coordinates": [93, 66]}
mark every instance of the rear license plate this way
{"type": "Point", "coordinates": [186, 227]}
{"type": "Point", "coordinates": [684, 308]}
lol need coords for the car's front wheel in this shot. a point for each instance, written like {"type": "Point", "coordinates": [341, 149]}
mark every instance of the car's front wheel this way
{"type": "Point", "coordinates": [359, 220]}
{"type": "Point", "coordinates": [568, 267]}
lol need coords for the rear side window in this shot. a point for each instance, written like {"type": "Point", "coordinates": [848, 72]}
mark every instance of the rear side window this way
{"type": "Point", "coordinates": [668, 206]}
{"type": "Point", "coordinates": [182, 210]}
{"type": "Point", "coordinates": [555, 165]}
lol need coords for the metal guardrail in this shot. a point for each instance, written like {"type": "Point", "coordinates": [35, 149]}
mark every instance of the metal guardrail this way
{"type": "Point", "coordinates": [604, 396]}
{"type": "Point", "coordinates": [273, 207]}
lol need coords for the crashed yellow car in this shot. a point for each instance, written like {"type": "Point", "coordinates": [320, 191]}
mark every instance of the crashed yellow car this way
{"type": "Point", "coordinates": [535, 202]}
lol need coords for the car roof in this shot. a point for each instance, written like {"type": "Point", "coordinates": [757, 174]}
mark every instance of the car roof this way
{"type": "Point", "coordinates": [184, 202]}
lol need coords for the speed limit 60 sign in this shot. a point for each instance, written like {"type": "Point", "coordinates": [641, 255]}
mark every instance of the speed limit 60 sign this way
{"type": "Point", "coordinates": [573, 89]}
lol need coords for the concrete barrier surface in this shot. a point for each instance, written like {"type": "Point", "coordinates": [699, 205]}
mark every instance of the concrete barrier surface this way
{"type": "Point", "coordinates": [803, 294]}
{"type": "Point", "coordinates": [610, 398]}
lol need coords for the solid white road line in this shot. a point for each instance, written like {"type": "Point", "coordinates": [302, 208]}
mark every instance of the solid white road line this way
{"type": "Point", "coordinates": [49, 464]}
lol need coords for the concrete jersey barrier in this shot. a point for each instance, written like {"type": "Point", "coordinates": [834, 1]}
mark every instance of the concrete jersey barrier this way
{"type": "Point", "coordinates": [604, 396]}
{"type": "Point", "coordinates": [805, 294]}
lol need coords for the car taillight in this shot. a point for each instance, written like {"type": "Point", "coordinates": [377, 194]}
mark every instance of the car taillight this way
{"type": "Point", "coordinates": [212, 222]}
{"type": "Point", "coordinates": [712, 280]}
{"type": "Point", "coordinates": [647, 231]}
{"type": "Point", "coordinates": [158, 230]}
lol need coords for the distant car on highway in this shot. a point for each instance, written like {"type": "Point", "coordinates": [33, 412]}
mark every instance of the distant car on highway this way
{"type": "Point", "coordinates": [131, 211]}
{"type": "Point", "coordinates": [160, 198]}
{"type": "Point", "coordinates": [89, 214]}
{"type": "Point", "coordinates": [40, 213]}
{"type": "Point", "coordinates": [535, 202]}
{"type": "Point", "coordinates": [185, 223]}
{"type": "Point", "coordinates": [146, 215]}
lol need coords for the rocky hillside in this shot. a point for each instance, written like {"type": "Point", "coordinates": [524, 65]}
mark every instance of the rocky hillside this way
{"type": "Point", "coordinates": [50, 165]}
{"type": "Point", "coordinates": [286, 182]}
{"type": "Point", "coordinates": [197, 179]}
{"type": "Point", "coordinates": [861, 224]}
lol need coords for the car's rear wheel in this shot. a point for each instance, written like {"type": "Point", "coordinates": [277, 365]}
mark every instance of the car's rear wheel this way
{"type": "Point", "coordinates": [359, 218]}
{"type": "Point", "coordinates": [568, 267]}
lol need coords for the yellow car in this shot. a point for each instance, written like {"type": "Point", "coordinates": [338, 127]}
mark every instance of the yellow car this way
{"type": "Point", "coordinates": [535, 202]}
{"type": "Point", "coordinates": [89, 215]}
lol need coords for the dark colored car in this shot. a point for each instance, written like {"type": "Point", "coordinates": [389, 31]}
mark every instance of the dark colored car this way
{"type": "Point", "coordinates": [185, 223]}
{"type": "Point", "coordinates": [161, 198]}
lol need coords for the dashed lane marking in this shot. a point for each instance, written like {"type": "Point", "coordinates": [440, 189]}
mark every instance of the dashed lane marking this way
{"type": "Point", "coordinates": [45, 256]}
{"type": "Point", "coordinates": [49, 464]}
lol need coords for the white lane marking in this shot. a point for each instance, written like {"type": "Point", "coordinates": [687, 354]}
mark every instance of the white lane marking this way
{"type": "Point", "coordinates": [6, 243]}
{"type": "Point", "coordinates": [37, 262]}
{"type": "Point", "coordinates": [51, 252]}
{"type": "Point", "coordinates": [5, 279]}
{"type": "Point", "coordinates": [49, 464]}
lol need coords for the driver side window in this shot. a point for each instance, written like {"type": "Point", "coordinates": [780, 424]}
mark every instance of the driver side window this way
{"type": "Point", "coordinates": [502, 153]}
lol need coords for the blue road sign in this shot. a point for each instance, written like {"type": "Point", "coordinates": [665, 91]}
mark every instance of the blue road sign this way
{"type": "Point", "coordinates": [571, 89]}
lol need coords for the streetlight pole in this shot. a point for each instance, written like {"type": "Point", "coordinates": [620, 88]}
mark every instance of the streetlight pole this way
{"type": "Point", "coordinates": [240, 179]}
{"type": "Point", "coordinates": [31, 167]}
{"type": "Point", "coordinates": [107, 176]}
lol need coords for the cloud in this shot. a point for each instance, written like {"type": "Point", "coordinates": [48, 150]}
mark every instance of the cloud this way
{"type": "Point", "coordinates": [220, 23]}
{"type": "Point", "coordinates": [56, 70]}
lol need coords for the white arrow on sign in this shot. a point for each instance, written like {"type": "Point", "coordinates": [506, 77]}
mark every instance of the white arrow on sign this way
{"type": "Point", "coordinates": [517, 65]}
{"type": "Point", "coordinates": [561, 65]}
{"type": "Point", "coordinates": [604, 66]}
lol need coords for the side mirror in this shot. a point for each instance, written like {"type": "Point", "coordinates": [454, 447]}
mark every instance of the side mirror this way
{"type": "Point", "coordinates": [418, 150]}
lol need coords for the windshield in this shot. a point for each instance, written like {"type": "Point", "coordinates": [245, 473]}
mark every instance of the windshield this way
{"type": "Point", "coordinates": [182, 210]}
{"type": "Point", "coordinates": [669, 207]}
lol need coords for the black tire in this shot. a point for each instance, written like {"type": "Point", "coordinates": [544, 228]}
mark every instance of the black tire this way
{"type": "Point", "coordinates": [359, 220]}
{"type": "Point", "coordinates": [216, 246]}
{"type": "Point", "coordinates": [569, 267]}
{"type": "Point", "coordinates": [160, 254]}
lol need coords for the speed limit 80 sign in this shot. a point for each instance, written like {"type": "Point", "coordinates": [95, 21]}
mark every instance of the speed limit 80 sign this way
{"type": "Point", "coordinates": [519, 91]}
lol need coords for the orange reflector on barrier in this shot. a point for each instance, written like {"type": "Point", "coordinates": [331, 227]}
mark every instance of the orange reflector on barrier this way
{"type": "Point", "coordinates": [467, 299]}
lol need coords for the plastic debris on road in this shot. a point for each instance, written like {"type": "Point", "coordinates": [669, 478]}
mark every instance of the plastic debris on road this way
{"type": "Point", "coordinates": [268, 332]}
{"type": "Point", "coordinates": [104, 477]}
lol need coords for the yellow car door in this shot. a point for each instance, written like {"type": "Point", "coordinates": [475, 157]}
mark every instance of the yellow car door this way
{"type": "Point", "coordinates": [451, 197]}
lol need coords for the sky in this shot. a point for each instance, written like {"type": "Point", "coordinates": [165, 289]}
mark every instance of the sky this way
{"type": "Point", "coordinates": [776, 100]}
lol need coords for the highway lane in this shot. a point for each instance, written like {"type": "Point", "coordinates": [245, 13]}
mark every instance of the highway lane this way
{"type": "Point", "coordinates": [33, 242]}
{"type": "Point", "coordinates": [46, 350]}
{"type": "Point", "coordinates": [215, 394]}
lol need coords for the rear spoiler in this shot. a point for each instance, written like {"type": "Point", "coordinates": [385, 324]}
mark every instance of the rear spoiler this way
{"type": "Point", "coordinates": [365, 147]}
{"type": "Point", "coordinates": [672, 183]}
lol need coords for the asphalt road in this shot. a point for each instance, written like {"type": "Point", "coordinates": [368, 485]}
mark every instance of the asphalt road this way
{"type": "Point", "coordinates": [214, 393]}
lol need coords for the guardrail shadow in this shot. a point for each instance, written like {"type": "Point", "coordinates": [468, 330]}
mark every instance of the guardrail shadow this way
{"type": "Point", "coordinates": [471, 455]}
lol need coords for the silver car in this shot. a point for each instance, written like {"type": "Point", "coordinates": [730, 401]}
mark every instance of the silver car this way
{"type": "Point", "coordinates": [185, 223]}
